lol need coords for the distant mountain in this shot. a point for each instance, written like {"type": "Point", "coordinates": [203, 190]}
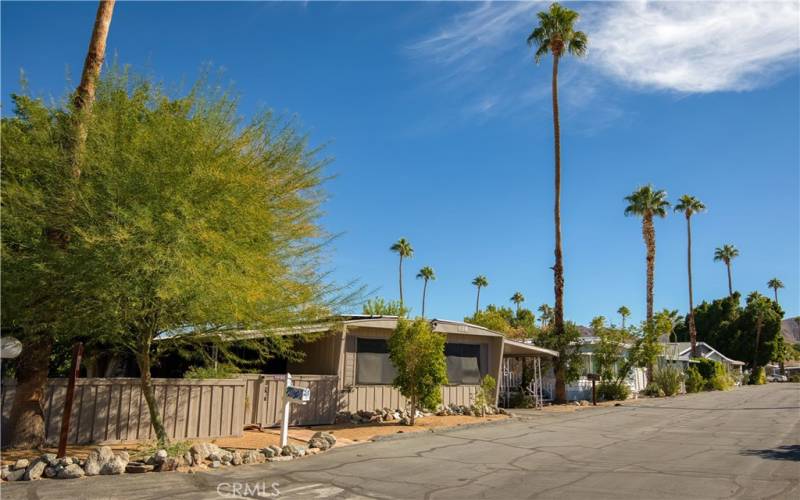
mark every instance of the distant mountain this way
{"type": "Point", "coordinates": [790, 328]}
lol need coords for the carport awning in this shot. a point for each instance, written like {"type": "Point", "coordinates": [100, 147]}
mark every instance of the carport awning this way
{"type": "Point", "coordinates": [517, 348]}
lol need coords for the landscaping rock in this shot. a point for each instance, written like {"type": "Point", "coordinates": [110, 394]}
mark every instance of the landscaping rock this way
{"type": "Point", "coordinates": [14, 474]}
{"type": "Point", "coordinates": [293, 450]}
{"type": "Point", "coordinates": [236, 459]}
{"type": "Point", "coordinates": [71, 471]}
{"type": "Point", "coordinates": [583, 402]}
{"type": "Point", "coordinates": [22, 463]}
{"type": "Point", "coordinates": [114, 466]}
{"type": "Point", "coordinates": [187, 457]}
{"type": "Point", "coordinates": [170, 464]}
{"type": "Point", "coordinates": [280, 459]}
{"type": "Point", "coordinates": [35, 470]}
{"type": "Point", "coordinates": [268, 452]}
{"type": "Point", "coordinates": [215, 464]}
{"type": "Point", "coordinates": [252, 457]}
{"type": "Point", "coordinates": [226, 457]}
{"type": "Point", "coordinates": [97, 459]}
{"type": "Point", "coordinates": [138, 468]}
{"type": "Point", "coordinates": [160, 456]}
{"type": "Point", "coordinates": [50, 459]}
{"type": "Point", "coordinates": [51, 471]}
{"type": "Point", "coordinates": [201, 451]}
{"type": "Point", "coordinates": [64, 461]}
{"type": "Point", "coordinates": [277, 449]}
{"type": "Point", "coordinates": [405, 421]}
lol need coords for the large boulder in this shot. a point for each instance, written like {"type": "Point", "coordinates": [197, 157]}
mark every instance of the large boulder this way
{"type": "Point", "coordinates": [50, 458]}
{"type": "Point", "coordinates": [22, 463]}
{"type": "Point", "coordinates": [13, 474]}
{"type": "Point", "coordinates": [96, 460]}
{"type": "Point", "coordinates": [292, 450]}
{"type": "Point", "coordinates": [327, 436]}
{"type": "Point", "coordinates": [35, 470]}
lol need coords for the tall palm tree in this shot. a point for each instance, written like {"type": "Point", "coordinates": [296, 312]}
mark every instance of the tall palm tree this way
{"type": "Point", "coordinates": [760, 305]}
{"type": "Point", "coordinates": [647, 203]}
{"type": "Point", "coordinates": [26, 419]}
{"type": "Point", "coordinates": [404, 250]}
{"type": "Point", "coordinates": [555, 34]}
{"type": "Point", "coordinates": [624, 312]}
{"type": "Point", "coordinates": [690, 205]}
{"type": "Point", "coordinates": [517, 299]}
{"type": "Point", "coordinates": [427, 274]}
{"type": "Point", "coordinates": [480, 281]}
{"type": "Point", "coordinates": [545, 314]}
{"type": "Point", "coordinates": [726, 253]}
{"type": "Point", "coordinates": [775, 283]}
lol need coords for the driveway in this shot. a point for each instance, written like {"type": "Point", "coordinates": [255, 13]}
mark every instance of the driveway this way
{"type": "Point", "coordinates": [739, 444]}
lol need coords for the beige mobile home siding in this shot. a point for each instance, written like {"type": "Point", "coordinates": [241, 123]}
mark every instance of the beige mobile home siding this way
{"type": "Point", "coordinates": [321, 356]}
{"type": "Point", "coordinates": [108, 410]}
{"type": "Point", "coordinates": [354, 397]}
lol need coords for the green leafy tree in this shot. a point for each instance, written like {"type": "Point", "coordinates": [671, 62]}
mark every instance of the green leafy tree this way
{"type": "Point", "coordinates": [60, 160]}
{"type": "Point", "coordinates": [517, 299]}
{"type": "Point", "coordinates": [427, 274]}
{"type": "Point", "coordinates": [192, 226]}
{"type": "Point", "coordinates": [480, 281]}
{"type": "Point", "coordinates": [775, 284]}
{"type": "Point", "coordinates": [570, 359]}
{"type": "Point", "coordinates": [648, 203]}
{"type": "Point", "coordinates": [726, 253]}
{"type": "Point", "coordinates": [689, 205]}
{"type": "Point", "coordinates": [624, 312]}
{"type": "Point", "coordinates": [405, 251]}
{"type": "Point", "coordinates": [380, 307]}
{"type": "Point", "coordinates": [555, 34]}
{"type": "Point", "coordinates": [519, 324]}
{"type": "Point", "coordinates": [417, 353]}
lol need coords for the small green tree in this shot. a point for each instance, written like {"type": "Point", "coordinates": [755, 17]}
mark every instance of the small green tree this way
{"type": "Point", "coordinates": [417, 353]}
{"type": "Point", "coordinates": [694, 380]}
{"type": "Point", "coordinates": [568, 364]}
{"type": "Point", "coordinates": [381, 307]}
{"type": "Point", "coordinates": [485, 394]}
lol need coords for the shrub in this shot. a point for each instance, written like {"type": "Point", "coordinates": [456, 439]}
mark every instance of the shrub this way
{"type": "Point", "coordinates": [521, 400]}
{"type": "Point", "coordinates": [794, 377]}
{"type": "Point", "coordinates": [694, 380]}
{"type": "Point", "coordinates": [706, 367]}
{"type": "Point", "coordinates": [758, 376]}
{"type": "Point", "coordinates": [613, 390]}
{"type": "Point", "coordinates": [715, 375]}
{"type": "Point", "coordinates": [653, 390]}
{"type": "Point", "coordinates": [668, 379]}
{"type": "Point", "coordinates": [721, 382]}
{"type": "Point", "coordinates": [221, 371]}
{"type": "Point", "coordinates": [485, 394]}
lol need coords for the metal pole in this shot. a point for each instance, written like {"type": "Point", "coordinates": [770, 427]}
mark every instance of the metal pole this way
{"type": "Point", "coordinates": [594, 392]}
{"type": "Point", "coordinates": [286, 412]}
{"type": "Point", "coordinates": [77, 352]}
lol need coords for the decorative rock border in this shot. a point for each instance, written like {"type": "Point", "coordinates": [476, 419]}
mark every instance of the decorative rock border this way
{"type": "Point", "coordinates": [103, 461]}
{"type": "Point", "coordinates": [403, 417]}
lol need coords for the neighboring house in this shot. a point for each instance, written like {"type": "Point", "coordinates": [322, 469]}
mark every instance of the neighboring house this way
{"type": "Point", "coordinates": [681, 353]}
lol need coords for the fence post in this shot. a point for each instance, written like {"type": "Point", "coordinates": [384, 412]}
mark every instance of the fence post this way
{"type": "Point", "coordinates": [77, 352]}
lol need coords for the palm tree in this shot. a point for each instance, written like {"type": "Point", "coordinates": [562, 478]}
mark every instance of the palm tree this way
{"type": "Point", "coordinates": [624, 312]}
{"type": "Point", "coordinates": [545, 314]}
{"type": "Point", "coordinates": [647, 203]}
{"type": "Point", "coordinates": [690, 205]}
{"type": "Point", "coordinates": [555, 34]}
{"type": "Point", "coordinates": [517, 299]}
{"type": "Point", "coordinates": [726, 253]}
{"type": "Point", "coordinates": [427, 274]}
{"type": "Point", "coordinates": [775, 283]}
{"type": "Point", "coordinates": [26, 419]}
{"type": "Point", "coordinates": [404, 250]}
{"type": "Point", "coordinates": [480, 281]}
{"type": "Point", "coordinates": [760, 305]}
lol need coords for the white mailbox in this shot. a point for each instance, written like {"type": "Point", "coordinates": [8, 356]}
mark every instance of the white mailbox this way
{"type": "Point", "coordinates": [298, 394]}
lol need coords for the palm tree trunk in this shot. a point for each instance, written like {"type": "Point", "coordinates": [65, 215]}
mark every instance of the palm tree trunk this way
{"type": "Point", "coordinates": [478, 301]}
{"type": "Point", "coordinates": [758, 341]}
{"type": "Point", "coordinates": [776, 295]}
{"type": "Point", "coordinates": [623, 322]}
{"type": "Point", "coordinates": [692, 328]}
{"type": "Point", "coordinates": [424, 291]}
{"type": "Point", "coordinates": [649, 234]}
{"type": "Point", "coordinates": [558, 268]}
{"type": "Point", "coordinates": [26, 421]}
{"type": "Point", "coordinates": [400, 275]}
{"type": "Point", "coordinates": [730, 281]}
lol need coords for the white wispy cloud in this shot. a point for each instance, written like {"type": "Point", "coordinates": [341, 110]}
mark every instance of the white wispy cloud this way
{"type": "Point", "coordinates": [479, 56]}
{"type": "Point", "coordinates": [696, 46]}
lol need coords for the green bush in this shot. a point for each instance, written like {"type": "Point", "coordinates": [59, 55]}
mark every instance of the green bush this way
{"type": "Point", "coordinates": [485, 394]}
{"type": "Point", "coordinates": [668, 379]}
{"type": "Point", "coordinates": [758, 376]}
{"type": "Point", "coordinates": [521, 400]}
{"type": "Point", "coordinates": [720, 382]}
{"type": "Point", "coordinates": [653, 390]}
{"type": "Point", "coordinates": [613, 391]}
{"type": "Point", "coordinates": [794, 377]}
{"type": "Point", "coordinates": [706, 367]}
{"type": "Point", "coordinates": [715, 375]}
{"type": "Point", "coordinates": [221, 371]}
{"type": "Point", "coordinates": [694, 380]}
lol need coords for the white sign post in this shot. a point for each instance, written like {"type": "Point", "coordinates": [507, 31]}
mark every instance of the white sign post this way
{"type": "Point", "coordinates": [301, 395]}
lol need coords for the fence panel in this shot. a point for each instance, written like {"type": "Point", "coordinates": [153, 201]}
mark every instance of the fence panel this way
{"type": "Point", "coordinates": [109, 410]}
{"type": "Point", "coordinates": [265, 400]}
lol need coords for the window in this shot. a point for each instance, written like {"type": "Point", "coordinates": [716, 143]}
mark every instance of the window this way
{"type": "Point", "coordinates": [463, 363]}
{"type": "Point", "coordinates": [372, 362]}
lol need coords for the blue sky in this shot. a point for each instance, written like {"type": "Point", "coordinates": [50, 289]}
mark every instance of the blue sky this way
{"type": "Point", "coordinates": [440, 128]}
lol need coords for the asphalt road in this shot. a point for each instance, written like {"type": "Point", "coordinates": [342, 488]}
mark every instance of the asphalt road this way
{"type": "Point", "coordinates": [739, 444]}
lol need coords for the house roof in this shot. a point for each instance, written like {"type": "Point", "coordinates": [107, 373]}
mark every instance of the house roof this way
{"type": "Point", "coordinates": [684, 351]}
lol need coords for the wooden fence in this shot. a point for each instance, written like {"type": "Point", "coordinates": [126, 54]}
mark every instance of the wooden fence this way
{"type": "Point", "coordinates": [108, 410]}
{"type": "Point", "coordinates": [264, 400]}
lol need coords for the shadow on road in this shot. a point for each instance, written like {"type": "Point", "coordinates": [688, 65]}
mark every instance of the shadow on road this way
{"type": "Point", "coordinates": [788, 452]}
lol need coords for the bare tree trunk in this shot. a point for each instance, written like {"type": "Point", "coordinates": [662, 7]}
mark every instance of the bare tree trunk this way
{"type": "Point", "coordinates": [424, 291]}
{"type": "Point", "coordinates": [730, 281]}
{"type": "Point", "coordinates": [558, 268]}
{"type": "Point", "coordinates": [400, 274]}
{"type": "Point", "coordinates": [26, 419]}
{"type": "Point", "coordinates": [692, 328]}
{"type": "Point", "coordinates": [143, 360]}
